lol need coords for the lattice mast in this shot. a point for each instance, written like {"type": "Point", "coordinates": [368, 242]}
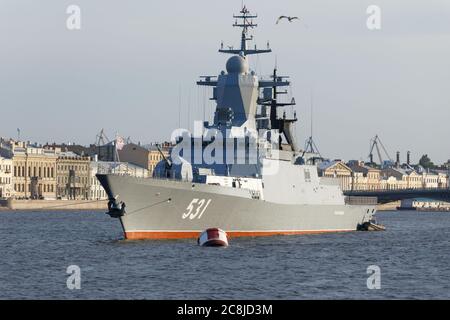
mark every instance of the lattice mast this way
{"type": "Point", "coordinates": [244, 20]}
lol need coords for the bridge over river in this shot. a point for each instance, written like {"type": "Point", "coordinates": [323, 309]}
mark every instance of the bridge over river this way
{"type": "Point", "coordinates": [385, 196]}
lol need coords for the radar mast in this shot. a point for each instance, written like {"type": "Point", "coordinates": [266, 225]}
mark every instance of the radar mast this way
{"type": "Point", "coordinates": [244, 20]}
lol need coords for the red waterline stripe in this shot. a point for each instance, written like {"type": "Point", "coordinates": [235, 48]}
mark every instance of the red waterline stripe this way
{"type": "Point", "coordinates": [138, 235]}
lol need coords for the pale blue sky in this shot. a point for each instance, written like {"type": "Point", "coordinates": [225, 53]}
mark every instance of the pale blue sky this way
{"type": "Point", "coordinates": [122, 71]}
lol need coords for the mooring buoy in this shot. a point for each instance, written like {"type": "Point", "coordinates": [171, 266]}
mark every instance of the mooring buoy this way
{"type": "Point", "coordinates": [213, 237]}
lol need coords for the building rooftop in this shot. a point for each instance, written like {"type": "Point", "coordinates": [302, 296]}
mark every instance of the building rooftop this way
{"type": "Point", "coordinates": [361, 167]}
{"type": "Point", "coordinates": [115, 165]}
{"type": "Point", "coordinates": [327, 164]}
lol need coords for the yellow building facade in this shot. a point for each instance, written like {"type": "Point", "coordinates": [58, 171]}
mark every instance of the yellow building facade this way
{"type": "Point", "coordinates": [34, 171]}
{"type": "Point", "coordinates": [337, 169]}
{"type": "Point", "coordinates": [72, 176]}
{"type": "Point", "coordinates": [6, 184]}
{"type": "Point", "coordinates": [365, 177]}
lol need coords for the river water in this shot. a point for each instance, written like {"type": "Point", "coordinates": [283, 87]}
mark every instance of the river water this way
{"type": "Point", "coordinates": [37, 248]}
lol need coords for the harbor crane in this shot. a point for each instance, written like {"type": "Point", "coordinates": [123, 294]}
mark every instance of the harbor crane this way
{"type": "Point", "coordinates": [101, 138]}
{"type": "Point", "coordinates": [375, 143]}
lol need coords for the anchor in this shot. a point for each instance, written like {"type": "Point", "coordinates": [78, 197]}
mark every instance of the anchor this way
{"type": "Point", "coordinates": [115, 209]}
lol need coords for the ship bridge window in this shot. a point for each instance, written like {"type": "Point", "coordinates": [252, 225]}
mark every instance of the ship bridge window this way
{"type": "Point", "coordinates": [307, 175]}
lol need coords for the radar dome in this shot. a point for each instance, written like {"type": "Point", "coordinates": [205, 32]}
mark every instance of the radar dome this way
{"type": "Point", "coordinates": [237, 64]}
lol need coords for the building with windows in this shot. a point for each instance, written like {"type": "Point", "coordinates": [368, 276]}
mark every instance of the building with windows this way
{"type": "Point", "coordinates": [33, 169]}
{"type": "Point", "coordinates": [443, 180]}
{"type": "Point", "coordinates": [6, 186]}
{"type": "Point", "coordinates": [336, 169]}
{"type": "Point", "coordinates": [72, 176]}
{"type": "Point", "coordinates": [392, 183]}
{"type": "Point", "coordinates": [430, 180]}
{"type": "Point", "coordinates": [409, 178]}
{"type": "Point", "coordinates": [364, 177]}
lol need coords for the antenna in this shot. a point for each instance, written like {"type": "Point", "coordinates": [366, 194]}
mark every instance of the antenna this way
{"type": "Point", "coordinates": [189, 111]}
{"type": "Point", "coordinates": [310, 145]}
{"type": "Point", "coordinates": [179, 106]}
{"type": "Point", "coordinates": [312, 110]}
{"type": "Point", "coordinates": [204, 103]}
{"type": "Point", "coordinates": [244, 20]}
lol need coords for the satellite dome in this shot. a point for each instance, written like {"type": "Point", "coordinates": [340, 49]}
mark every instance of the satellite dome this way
{"type": "Point", "coordinates": [237, 64]}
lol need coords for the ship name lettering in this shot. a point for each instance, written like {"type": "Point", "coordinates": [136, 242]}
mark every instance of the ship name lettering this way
{"type": "Point", "coordinates": [196, 208]}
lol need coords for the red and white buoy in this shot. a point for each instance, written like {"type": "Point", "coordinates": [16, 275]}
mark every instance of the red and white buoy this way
{"type": "Point", "coordinates": [213, 237]}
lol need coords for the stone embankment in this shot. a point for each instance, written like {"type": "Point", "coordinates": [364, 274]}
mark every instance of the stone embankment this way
{"type": "Point", "coordinates": [11, 204]}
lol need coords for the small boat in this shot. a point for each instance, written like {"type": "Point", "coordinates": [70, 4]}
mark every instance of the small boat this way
{"type": "Point", "coordinates": [213, 237]}
{"type": "Point", "coordinates": [376, 227]}
{"type": "Point", "coordinates": [371, 226]}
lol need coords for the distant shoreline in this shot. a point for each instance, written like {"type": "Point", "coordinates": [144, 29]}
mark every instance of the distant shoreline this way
{"type": "Point", "coordinates": [41, 205]}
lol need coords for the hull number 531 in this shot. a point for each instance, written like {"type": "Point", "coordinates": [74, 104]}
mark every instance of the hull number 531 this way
{"type": "Point", "coordinates": [196, 208]}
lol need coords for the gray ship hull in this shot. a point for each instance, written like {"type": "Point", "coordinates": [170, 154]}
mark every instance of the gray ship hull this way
{"type": "Point", "coordinates": [165, 209]}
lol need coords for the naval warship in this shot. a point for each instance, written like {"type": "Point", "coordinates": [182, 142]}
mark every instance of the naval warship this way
{"type": "Point", "coordinates": [243, 172]}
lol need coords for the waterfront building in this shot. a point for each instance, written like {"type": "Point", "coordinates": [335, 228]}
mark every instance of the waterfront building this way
{"type": "Point", "coordinates": [6, 185]}
{"type": "Point", "coordinates": [443, 180]}
{"type": "Point", "coordinates": [364, 177]}
{"type": "Point", "coordinates": [96, 191]}
{"type": "Point", "coordinates": [435, 179]}
{"type": "Point", "coordinates": [33, 168]}
{"type": "Point", "coordinates": [442, 177]}
{"type": "Point", "coordinates": [430, 180]}
{"type": "Point", "coordinates": [359, 181]}
{"type": "Point", "coordinates": [336, 169]}
{"type": "Point", "coordinates": [392, 183]}
{"type": "Point", "coordinates": [72, 175]}
{"type": "Point", "coordinates": [409, 177]}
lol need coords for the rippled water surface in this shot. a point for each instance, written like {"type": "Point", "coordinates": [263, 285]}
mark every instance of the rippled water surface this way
{"type": "Point", "coordinates": [37, 247]}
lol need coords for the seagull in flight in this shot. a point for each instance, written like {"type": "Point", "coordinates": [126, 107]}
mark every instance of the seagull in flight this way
{"type": "Point", "coordinates": [288, 18]}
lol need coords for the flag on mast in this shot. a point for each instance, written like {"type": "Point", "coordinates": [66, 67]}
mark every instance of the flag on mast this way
{"type": "Point", "coordinates": [119, 143]}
